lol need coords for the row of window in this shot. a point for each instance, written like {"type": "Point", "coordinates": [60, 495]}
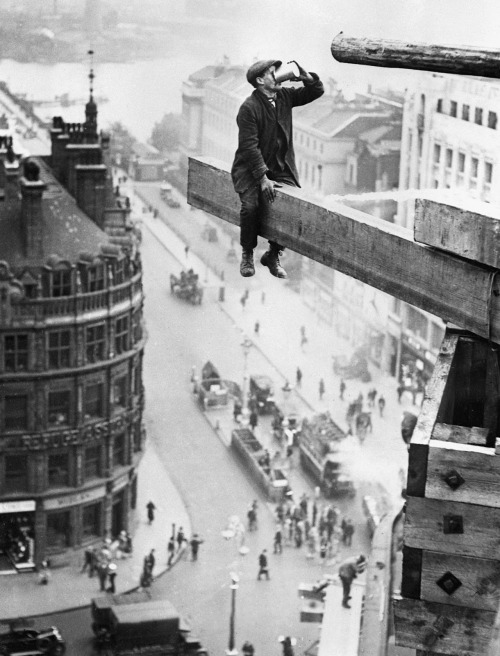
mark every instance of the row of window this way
{"type": "Point", "coordinates": [60, 467]}
{"type": "Point", "coordinates": [310, 174]}
{"type": "Point", "coordinates": [61, 408]}
{"type": "Point", "coordinates": [426, 330]}
{"type": "Point", "coordinates": [480, 117]}
{"type": "Point", "coordinates": [60, 349]}
{"type": "Point", "coordinates": [465, 166]}
{"type": "Point", "coordinates": [305, 140]}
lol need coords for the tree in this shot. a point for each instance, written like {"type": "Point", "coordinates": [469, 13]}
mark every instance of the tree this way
{"type": "Point", "coordinates": [166, 134]}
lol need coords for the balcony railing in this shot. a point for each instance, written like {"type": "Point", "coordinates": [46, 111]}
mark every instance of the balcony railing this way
{"type": "Point", "coordinates": [41, 308]}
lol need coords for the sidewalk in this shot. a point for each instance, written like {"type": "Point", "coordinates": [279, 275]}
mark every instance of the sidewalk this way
{"type": "Point", "coordinates": [68, 588]}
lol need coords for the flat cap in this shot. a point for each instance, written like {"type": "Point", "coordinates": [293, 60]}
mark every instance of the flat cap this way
{"type": "Point", "coordinates": [259, 67]}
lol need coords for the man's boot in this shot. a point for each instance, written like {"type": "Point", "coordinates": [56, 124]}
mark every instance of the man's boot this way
{"type": "Point", "coordinates": [247, 268]}
{"type": "Point", "coordinates": [271, 259]}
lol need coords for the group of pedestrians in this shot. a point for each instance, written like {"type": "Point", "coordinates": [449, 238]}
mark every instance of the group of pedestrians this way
{"type": "Point", "coordinates": [100, 561]}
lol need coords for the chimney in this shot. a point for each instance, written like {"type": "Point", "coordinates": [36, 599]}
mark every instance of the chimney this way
{"type": "Point", "coordinates": [11, 179]}
{"type": "Point", "coordinates": [32, 223]}
{"type": "Point", "coordinates": [91, 191]}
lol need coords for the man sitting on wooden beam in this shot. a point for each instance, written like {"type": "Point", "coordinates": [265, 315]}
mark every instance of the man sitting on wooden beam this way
{"type": "Point", "coordinates": [265, 157]}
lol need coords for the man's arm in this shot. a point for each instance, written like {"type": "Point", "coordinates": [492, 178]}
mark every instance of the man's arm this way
{"type": "Point", "coordinates": [312, 89]}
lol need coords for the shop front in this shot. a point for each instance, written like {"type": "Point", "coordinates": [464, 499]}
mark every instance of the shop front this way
{"type": "Point", "coordinates": [417, 364]}
{"type": "Point", "coordinates": [17, 536]}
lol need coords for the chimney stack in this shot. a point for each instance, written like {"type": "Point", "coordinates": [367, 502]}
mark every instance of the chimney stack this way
{"type": "Point", "coordinates": [32, 222]}
{"type": "Point", "coordinates": [91, 191]}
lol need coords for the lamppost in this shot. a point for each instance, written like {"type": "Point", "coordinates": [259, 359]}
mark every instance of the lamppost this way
{"type": "Point", "coordinates": [231, 649]}
{"type": "Point", "coordinates": [246, 345]}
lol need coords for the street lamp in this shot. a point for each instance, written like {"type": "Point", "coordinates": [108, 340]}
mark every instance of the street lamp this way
{"type": "Point", "coordinates": [231, 649]}
{"type": "Point", "coordinates": [246, 345]}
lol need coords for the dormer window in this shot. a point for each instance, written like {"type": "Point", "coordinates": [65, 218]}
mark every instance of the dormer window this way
{"type": "Point", "coordinates": [96, 278]}
{"type": "Point", "coordinates": [61, 283]}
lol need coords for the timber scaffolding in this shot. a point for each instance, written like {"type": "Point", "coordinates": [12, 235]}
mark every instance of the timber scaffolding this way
{"type": "Point", "coordinates": [449, 267]}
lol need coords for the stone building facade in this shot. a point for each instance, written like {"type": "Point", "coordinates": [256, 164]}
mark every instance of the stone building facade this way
{"type": "Point", "coordinates": [71, 351]}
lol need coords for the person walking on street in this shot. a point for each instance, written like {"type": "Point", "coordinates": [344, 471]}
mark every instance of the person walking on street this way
{"type": "Point", "coordinates": [253, 420]}
{"type": "Point", "coordinates": [111, 578]}
{"type": "Point", "coordinates": [256, 328]}
{"type": "Point", "coordinates": [195, 545]}
{"type": "Point", "coordinates": [298, 377]}
{"type": "Point", "coordinates": [263, 566]}
{"type": "Point", "coordinates": [170, 550]}
{"type": "Point", "coordinates": [381, 405]}
{"type": "Point", "coordinates": [150, 561]}
{"type": "Point", "coordinates": [278, 541]}
{"type": "Point", "coordinates": [88, 555]}
{"type": "Point", "coordinates": [342, 389]}
{"type": "Point", "coordinates": [44, 573]}
{"type": "Point", "coordinates": [102, 573]}
{"type": "Point", "coordinates": [180, 538]}
{"type": "Point", "coordinates": [186, 250]}
{"type": "Point", "coordinates": [321, 389]}
{"type": "Point", "coordinates": [151, 511]}
{"type": "Point", "coordinates": [265, 154]}
{"type": "Point", "coordinates": [348, 571]}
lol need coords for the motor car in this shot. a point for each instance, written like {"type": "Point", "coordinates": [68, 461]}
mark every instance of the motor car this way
{"type": "Point", "coordinates": [21, 641]}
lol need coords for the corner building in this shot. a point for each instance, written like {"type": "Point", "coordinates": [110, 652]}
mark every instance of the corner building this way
{"type": "Point", "coordinates": [71, 351]}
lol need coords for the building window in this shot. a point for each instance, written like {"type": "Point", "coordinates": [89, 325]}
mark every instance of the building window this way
{"type": "Point", "coordinates": [460, 169]}
{"type": "Point", "coordinates": [478, 116]}
{"type": "Point", "coordinates": [321, 148]}
{"type": "Point", "coordinates": [58, 468]}
{"type": "Point", "coordinates": [137, 380]}
{"type": "Point", "coordinates": [449, 158]}
{"type": "Point", "coordinates": [474, 167]}
{"type": "Point", "coordinates": [492, 120]}
{"type": "Point", "coordinates": [453, 108]}
{"type": "Point", "coordinates": [120, 392]}
{"type": "Point", "coordinates": [94, 406]}
{"type": "Point", "coordinates": [417, 322]}
{"type": "Point", "coordinates": [59, 408]}
{"type": "Point", "coordinates": [96, 343]}
{"type": "Point", "coordinates": [488, 177]}
{"type": "Point", "coordinates": [91, 520]}
{"type": "Point", "coordinates": [61, 283]}
{"type": "Point", "coordinates": [16, 352]}
{"type": "Point", "coordinates": [437, 153]}
{"type": "Point", "coordinates": [59, 349]}
{"type": "Point", "coordinates": [58, 529]}
{"type": "Point", "coordinates": [119, 271]}
{"type": "Point", "coordinates": [119, 450]}
{"type": "Point", "coordinates": [307, 142]}
{"type": "Point", "coordinates": [16, 412]}
{"type": "Point", "coordinates": [137, 326]}
{"type": "Point", "coordinates": [92, 462]}
{"type": "Point", "coordinates": [121, 335]}
{"type": "Point", "coordinates": [439, 108]}
{"type": "Point", "coordinates": [96, 278]}
{"type": "Point", "coordinates": [16, 473]}
{"type": "Point", "coordinates": [465, 112]}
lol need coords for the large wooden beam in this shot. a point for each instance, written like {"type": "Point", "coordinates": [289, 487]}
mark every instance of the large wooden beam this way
{"type": "Point", "coordinates": [374, 251]}
{"type": "Point", "coordinates": [459, 60]}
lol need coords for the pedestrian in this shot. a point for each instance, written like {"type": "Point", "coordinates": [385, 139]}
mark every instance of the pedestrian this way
{"type": "Point", "coordinates": [298, 377]}
{"type": "Point", "coordinates": [195, 545]}
{"type": "Point", "coordinates": [314, 512]}
{"type": "Point", "coordinates": [180, 538]}
{"type": "Point", "coordinates": [323, 548]}
{"type": "Point", "coordinates": [303, 342]}
{"type": "Point", "coordinates": [348, 532]}
{"type": "Point", "coordinates": [243, 301]}
{"type": "Point", "coordinates": [111, 578]}
{"type": "Point", "coordinates": [302, 332]}
{"type": "Point", "coordinates": [265, 154]}
{"type": "Point", "coordinates": [256, 328]}
{"type": "Point", "coordinates": [186, 250]}
{"type": "Point", "coordinates": [237, 408]}
{"type": "Point", "coordinates": [263, 298]}
{"type": "Point", "coordinates": [151, 511]}
{"type": "Point", "coordinates": [400, 390]}
{"type": "Point", "coordinates": [253, 419]}
{"type": "Point", "coordinates": [150, 561]}
{"type": "Point", "coordinates": [342, 389]}
{"type": "Point", "coordinates": [102, 573]}
{"type": "Point", "coordinates": [303, 503]}
{"type": "Point", "coordinates": [263, 566]}
{"type": "Point", "coordinates": [287, 644]}
{"type": "Point", "coordinates": [321, 389]}
{"type": "Point", "coordinates": [44, 573]}
{"type": "Point", "coordinates": [252, 518]}
{"type": "Point", "coordinates": [87, 560]}
{"type": "Point", "coordinates": [381, 405]}
{"type": "Point", "coordinates": [278, 541]}
{"type": "Point", "coordinates": [348, 571]}
{"type": "Point", "coordinates": [248, 649]}
{"type": "Point", "coordinates": [170, 550]}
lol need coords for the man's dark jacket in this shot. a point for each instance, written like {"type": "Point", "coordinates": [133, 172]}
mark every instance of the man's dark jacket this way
{"type": "Point", "coordinates": [258, 123]}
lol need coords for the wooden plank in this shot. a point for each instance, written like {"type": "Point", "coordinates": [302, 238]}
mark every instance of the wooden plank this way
{"type": "Point", "coordinates": [357, 244]}
{"type": "Point", "coordinates": [492, 394]}
{"type": "Point", "coordinates": [458, 60]}
{"type": "Point", "coordinates": [478, 466]}
{"type": "Point", "coordinates": [425, 520]}
{"type": "Point", "coordinates": [479, 578]}
{"type": "Point", "coordinates": [442, 628]}
{"type": "Point", "coordinates": [459, 231]}
{"type": "Point", "coordinates": [460, 434]}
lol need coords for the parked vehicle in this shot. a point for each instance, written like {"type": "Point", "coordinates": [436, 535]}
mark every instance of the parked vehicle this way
{"type": "Point", "coordinates": [212, 390]}
{"type": "Point", "coordinates": [32, 641]}
{"type": "Point", "coordinates": [322, 454]}
{"type": "Point", "coordinates": [355, 367]}
{"type": "Point", "coordinates": [187, 286]}
{"type": "Point", "coordinates": [166, 195]}
{"type": "Point", "coordinates": [262, 388]}
{"type": "Point", "coordinates": [132, 624]}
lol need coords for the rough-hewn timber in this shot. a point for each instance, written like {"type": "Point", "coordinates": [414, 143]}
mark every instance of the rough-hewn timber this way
{"type": "Point", "coordinates": [458, 60]}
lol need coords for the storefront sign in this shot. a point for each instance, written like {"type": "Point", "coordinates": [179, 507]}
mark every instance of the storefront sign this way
{"type": "Point", "coordinates": [74, 499]}
{"type": "Point", "coordinates": [17, 506]}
